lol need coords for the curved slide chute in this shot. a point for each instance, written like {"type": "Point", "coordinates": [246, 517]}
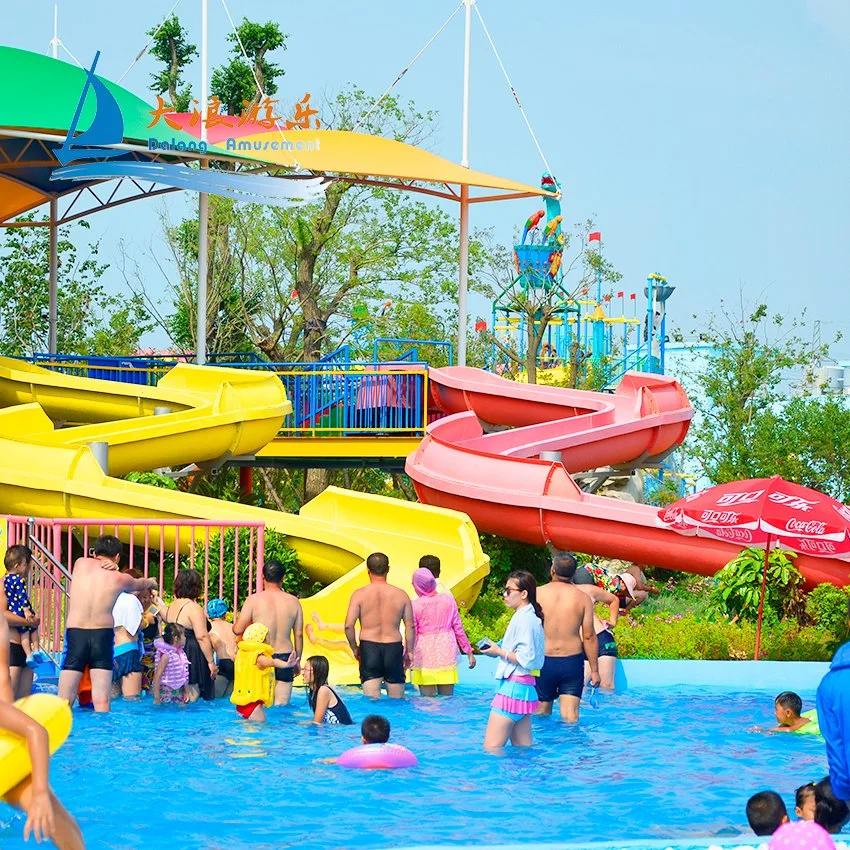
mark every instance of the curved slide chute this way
{"type": "Point", "coordinates": [504, 483]}
{"type": "Point", "coordinates": [202, 414]}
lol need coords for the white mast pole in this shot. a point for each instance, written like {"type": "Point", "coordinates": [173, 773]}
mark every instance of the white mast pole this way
{"type": "Point", "coordinates": [53, 296]}
{"type": "Point", "coordinates": [203, 209]}
{"type": "Point", "coordinates": [463, 271]}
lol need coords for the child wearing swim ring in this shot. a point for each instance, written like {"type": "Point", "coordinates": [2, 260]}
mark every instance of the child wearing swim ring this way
{"type": "Point", "coordinates": [323, 700]}
{"type": "Point", "coordinates": [253, 685]}
{"type": "Point", "coordinates": [171, 676]}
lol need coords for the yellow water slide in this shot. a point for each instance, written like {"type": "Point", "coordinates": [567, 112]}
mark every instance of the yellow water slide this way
{"type": "Point", "coordinates": [207, 415]}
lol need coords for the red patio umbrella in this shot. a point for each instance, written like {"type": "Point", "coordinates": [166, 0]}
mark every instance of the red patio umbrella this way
{"type": "Point", "coordinates": [765, 513]}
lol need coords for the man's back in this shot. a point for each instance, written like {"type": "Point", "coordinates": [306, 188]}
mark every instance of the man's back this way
{"type": "Point", "coordinates": [278, 610]}
{"type": "Point", "coordinates": [94, 590]}
{"type": "Point", "coordinates": [564, 608]}
{"type": "Point", "coordinates": [381, 611]}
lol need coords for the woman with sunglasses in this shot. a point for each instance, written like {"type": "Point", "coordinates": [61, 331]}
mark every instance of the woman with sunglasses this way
{"type": "Point", "coordinates": [520, 659]}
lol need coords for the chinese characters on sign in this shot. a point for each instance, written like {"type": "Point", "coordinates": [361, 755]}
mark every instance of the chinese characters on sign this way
{"type": "Point", "coordinates": [258, 112]}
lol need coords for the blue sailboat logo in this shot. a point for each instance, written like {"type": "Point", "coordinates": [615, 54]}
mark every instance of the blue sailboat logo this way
{"type": "Point", "coordinates": [89, 153]}
{"type": "Point", "coordinates": [107, 127]}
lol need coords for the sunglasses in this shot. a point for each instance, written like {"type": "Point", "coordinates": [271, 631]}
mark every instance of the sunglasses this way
{"type": "Point", "coordinates": [509, 590]}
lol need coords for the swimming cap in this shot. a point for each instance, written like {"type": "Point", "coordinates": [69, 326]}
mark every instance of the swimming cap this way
{"type": "Point", "coordinates": [256, 633]}
{"type": "Point", "coordinates": [424, 582]}
{"type": "Point", "coordinates": [216, 609]}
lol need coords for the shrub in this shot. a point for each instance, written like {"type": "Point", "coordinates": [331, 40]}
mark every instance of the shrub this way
{"type": "Point", "coordinates": [739, 583]}
{"type": "Point", "coordinates": [489, 617]}
{"type": "Point", "coordinates": [296, 580]}
{"type": "Point", "coordinates": [689, 636]}
{"type": "Point", "coordinates": [154, 479]}
{"type": "Point", "coordinates": [508, 555]}
{"type": "Point", "coordinates": [826, 605]}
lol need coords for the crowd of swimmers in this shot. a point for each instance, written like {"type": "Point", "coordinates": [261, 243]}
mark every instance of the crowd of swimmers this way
{"type": "Point", "coordinates": [122, 639]}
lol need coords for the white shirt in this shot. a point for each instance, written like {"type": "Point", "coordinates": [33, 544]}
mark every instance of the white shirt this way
{"type": "Point", "coordinates": [525, 638]}
{"type": "Point", "coordinates": [127, 612]}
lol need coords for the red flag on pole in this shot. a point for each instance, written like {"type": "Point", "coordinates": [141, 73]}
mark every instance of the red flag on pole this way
{"type": "Point", "coordinates": [480, 325]}
{"type": "Point", "coordinates": [620, 294]}
{"type": "Point", "coordinates": [632, 296]}
{"type": "Point", "coordinates": [596, 236]}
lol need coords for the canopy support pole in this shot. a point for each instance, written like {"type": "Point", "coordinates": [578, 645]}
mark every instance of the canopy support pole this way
{"type": "Point", "coordinates": [53, 297]}
{"type": "Point", "coordinates": [761, 600]}
{"type": "Point", "coordinates": [203, 212]}
{"type": "Point", "coordinates": [463, 271]}
{"type": "Point", "coordinates": [463, 276]}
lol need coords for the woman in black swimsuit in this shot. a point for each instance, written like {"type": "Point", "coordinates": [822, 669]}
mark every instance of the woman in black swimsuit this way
{"type": "Point", "coordinates": [186, 612]}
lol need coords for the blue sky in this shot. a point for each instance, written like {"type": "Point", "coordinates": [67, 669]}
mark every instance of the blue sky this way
{"type": "Point", "coordinates": [709, 141]}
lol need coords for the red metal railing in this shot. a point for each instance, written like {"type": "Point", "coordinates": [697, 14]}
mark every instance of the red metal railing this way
{"type": "Point", "coordinates": [157, 547]}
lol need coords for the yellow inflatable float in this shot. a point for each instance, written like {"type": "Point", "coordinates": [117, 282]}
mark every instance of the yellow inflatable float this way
{"type": "Point", "coordinates": [52, 713]}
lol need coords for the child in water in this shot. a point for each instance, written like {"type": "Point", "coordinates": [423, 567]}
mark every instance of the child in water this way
{"type": "Point", "coordinates": [18, 563]}
{"type": "Point", "coordinates": [804, 801]}
{"type": "Point", "coordinates": [171, 675]}
{"type": "Point", "coordinates": [788, 709]}
{"type": "Point", "coordinates": [253, 685]}
{"type": "Point", "coordinates": [326, 706]}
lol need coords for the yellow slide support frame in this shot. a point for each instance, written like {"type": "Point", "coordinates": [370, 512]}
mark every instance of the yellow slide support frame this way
{"type": "Point", "coordinates": [207, 415]}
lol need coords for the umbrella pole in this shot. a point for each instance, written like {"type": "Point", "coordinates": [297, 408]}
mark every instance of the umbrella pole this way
{"type": "Point", "coordinates": [761, 600]}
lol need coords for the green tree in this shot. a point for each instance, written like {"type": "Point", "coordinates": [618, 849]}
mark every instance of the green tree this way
{"type": "Point", "coordinates": [738, 382]}
{"type": "Point", "coordinates": [91, 321]}
{"type": "Point", "coordinates": [238, 83]}
{"type": "Point", "coordinates": [805, 441]}
{"type": "Point", "coordinates": [171, 46]}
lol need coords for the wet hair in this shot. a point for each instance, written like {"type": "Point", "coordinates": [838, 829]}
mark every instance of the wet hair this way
{"type": "Point", "coordinates": [274, 571]}
{"type": "Point", "coordinates": [133, 573]}
{"type": "Point", "coordinates": [320, 667]}
{"type": "Point", "coordinates": [16, 555]}
{"type": "Point", "coordinates": [830, 812]}
{"type": "Point", "coordinates": [187, 585]}
{"type": "Point", "coordinates": [430, 563]}
{"type": "Point", "coordinates": [790, 700]}
{"type": "Point", "coordinates": [172, 633]}
{"type": "Point", "coordinates": [525, 581]}
{"type": "Point", "coordinates": [108, 546]}
{"type": "Point", "coordinates": [766, 812]}
{"type": "Point", "coordinates": [564, 565]}
{"type": "Point", "coordinates": [375, 729]}
{"type": "Point", "coordinates": [378, 564]}
{"type": "Point", "coordinates": [803, 793]}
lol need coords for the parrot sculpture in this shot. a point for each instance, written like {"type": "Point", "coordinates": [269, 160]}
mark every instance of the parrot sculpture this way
{"type": "Point", "coordinates": [532, 223]}
{"type": "Point", "coordinates": [553, 227]}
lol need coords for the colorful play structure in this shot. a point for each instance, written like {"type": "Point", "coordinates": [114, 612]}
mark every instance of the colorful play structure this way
{"type": "Point", "coordinates": [71, 427]}
{"type": "Point", "coordinates": [582, 329]}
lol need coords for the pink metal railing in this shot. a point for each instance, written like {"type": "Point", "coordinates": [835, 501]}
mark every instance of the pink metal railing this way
{"type": "Point", "coordinates": [166, 545]}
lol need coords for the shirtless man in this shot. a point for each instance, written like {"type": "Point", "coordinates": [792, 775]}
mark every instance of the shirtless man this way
{"type": "Point", "coordinates": [21, 676]}
{"type": "Point", "coordinates": [604, 634]}
{"type": "Point", "coordinates": [568, 627]}
{"type": "Point", "coordinates": [47, 818]}
{"type": "Point", "coordinates": [381, 608]}
{"type": "Point", "coordinates": [95, 586]}
{"type": "Point", "coordinates": [281, 613]}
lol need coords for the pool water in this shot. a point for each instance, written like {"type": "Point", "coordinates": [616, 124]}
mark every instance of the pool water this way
{"type": "Point", "coordinates": [644, 764]}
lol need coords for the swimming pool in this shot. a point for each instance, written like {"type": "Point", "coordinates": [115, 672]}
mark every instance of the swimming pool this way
{"type": "Point", "coordinates": [651, 764]}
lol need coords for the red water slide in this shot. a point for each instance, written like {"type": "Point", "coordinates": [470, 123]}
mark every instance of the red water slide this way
{"type": "Point", "coordinates": [514, 480]}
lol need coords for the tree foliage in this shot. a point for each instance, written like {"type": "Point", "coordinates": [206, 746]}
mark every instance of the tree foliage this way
{"type": "Point", "coordinates": [91, 320]}
{"type": "Point", "coordinates": [736, 388]}
{"type": "Point", "coordinates": [238, 83]}
{"type": "Point", "coordinates": [171, 46]}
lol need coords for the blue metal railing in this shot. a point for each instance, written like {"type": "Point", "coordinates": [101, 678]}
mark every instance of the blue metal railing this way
{"type": "Point", "coordinates": [412, 354]}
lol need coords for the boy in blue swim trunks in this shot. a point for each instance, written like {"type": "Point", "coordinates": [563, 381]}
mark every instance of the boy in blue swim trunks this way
{"type": "Point", "coordinates": [570, 637]}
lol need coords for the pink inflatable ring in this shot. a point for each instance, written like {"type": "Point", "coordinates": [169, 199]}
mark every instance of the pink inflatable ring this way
{"type": "Point", "coordinates": [377, 757]}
